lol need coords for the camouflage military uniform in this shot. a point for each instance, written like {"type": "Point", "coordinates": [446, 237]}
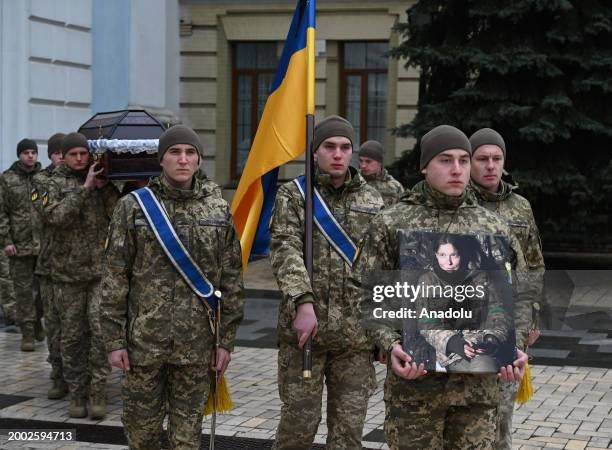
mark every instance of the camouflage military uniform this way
{"type": "Point", "coordinates": [77, 220]}
{"type": "Point", "coordinates": [438, 410]}
{"type": "Point", "coordinates": [20, 226]}
{"type": "Point", "coordinates": [389, 188]}
{"type": "Point", "coordinates": [342, 355]}
{"type": "Point", "coordinates": [487, 315]}
{"type": "Point", "coordinates": [52, 319]}
{"type": "Point", "coordinates": [517, 213]}
{"type": "Point", "coordinates": [7, 295]}
{"type": "Point", "coordinates": [149, 310]}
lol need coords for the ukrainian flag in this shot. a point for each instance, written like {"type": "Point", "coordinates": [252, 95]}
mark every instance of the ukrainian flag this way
{"type": "Point", "coordinates": [281, 134]}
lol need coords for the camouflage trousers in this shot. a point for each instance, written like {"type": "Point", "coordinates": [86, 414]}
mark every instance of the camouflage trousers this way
{"type": "Point", "coordinates": [350, 379]}
{"type": "Point", "coordinates": [84, 360]}
{"type": "Point", "coordinates": [53, 326]}
{"type": "Point", "coordinates": [25, 285]}
{"type": "Point", "coordinates": [434, 413]}
{"type": "Point", "coordinates": [149, 392]}
{"type": "Point", "coordinates": [7, 294]}
{"type": "Point", "coordinates": [505, 409]}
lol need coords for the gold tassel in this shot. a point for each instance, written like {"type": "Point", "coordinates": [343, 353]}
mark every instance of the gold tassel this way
{"type": "Point", "coordinates": [525, 390]}
{"type": "Point", "coordinates": [224, 399]}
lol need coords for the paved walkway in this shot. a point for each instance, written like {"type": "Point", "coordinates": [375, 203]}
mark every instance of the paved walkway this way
{"type": "Point", "coordinates": [571, 409]}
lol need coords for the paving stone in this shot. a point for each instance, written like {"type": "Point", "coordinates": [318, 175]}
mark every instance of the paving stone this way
{"type": "Point", "coordinates": [571, 409]}
{"type": "Point", "coordinates": [575, 445]}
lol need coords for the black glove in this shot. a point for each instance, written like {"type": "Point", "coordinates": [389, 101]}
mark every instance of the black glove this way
{"type": "Point", "coordinates": [455, 345]}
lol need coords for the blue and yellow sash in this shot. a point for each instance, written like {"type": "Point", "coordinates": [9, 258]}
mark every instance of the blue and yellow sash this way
{"type": "Point", "coordinates": [328, 225]}
{"type": "Point", "coordinates": [173, 247]}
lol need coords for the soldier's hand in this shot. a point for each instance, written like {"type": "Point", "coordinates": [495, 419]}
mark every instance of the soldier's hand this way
{"type": "Point", "coordinates": [100, 182]}
{"type": "Point", "coordinates": [10, 250]}
{"type": "Point", "coordinates": [469, 351]}
{"type": "Point", "coordinates": [533, 336]}
{"type": "Point", "coordinates": [221, 361]}
{"type": "Point", "coordinates": [305, 323]}
{"type": "Point", "coordinates": [119, 358]}
{"type": "Point", "coordinates": [515, 372]}
{"type": "Point", "coordinates": [90, 181]}
{"type": "Point", "coordinates": [402, 364]}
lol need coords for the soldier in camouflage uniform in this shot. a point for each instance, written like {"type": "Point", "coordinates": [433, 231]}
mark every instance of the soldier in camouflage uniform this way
{"type": "Point", "coordinates": [342, 355]}
{"type": "Point", "coordinates": [20, 238]}
{"type": "Point", "coordinates": [7, 295]}
{"type": "Point", "coordinates": [372, 170]}
{"type": "Point", "coordinates": [52, 319]}
{"type": "Point", "coordinates": [76, 209]}
{"type": "Point", "coordinates": [498, 196]}
{"type": "Point", "coordinates": [435, 411]}
{"type": "Point", "coordinates": [156, 328]}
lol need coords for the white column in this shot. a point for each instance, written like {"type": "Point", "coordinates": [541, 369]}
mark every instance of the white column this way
{"type": "Point", "coordinates": [155, 58]}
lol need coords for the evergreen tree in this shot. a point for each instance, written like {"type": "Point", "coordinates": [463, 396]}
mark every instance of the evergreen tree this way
{"type": "Point", "coordinates": [540, 73]}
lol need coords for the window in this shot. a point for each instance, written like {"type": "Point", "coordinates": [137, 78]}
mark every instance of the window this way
{"type": "Point", "coordinates": [254, 67]}
{"type": "Point", "coordinates": [363, 88]}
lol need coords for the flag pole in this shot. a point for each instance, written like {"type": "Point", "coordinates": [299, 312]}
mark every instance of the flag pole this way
{"type": "Point", "coordinates": [309, 172]}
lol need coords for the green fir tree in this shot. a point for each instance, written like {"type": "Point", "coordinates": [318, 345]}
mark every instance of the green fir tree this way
{"type": "Point", "coordinates": [540, 73]}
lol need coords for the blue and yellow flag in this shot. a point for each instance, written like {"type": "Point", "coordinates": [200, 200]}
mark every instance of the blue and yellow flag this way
{"type": "Point", "coordinates": [281, 134]}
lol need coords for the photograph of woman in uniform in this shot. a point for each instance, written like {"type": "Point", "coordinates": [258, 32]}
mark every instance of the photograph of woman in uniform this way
{"type": "Point", "coordinates": [461, 311]}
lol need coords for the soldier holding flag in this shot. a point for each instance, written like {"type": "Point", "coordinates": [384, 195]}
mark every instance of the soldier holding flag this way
{"type": "Point", "coordinates": [311, 268]}
{"type": "Point", "coordinates": [342, 356]}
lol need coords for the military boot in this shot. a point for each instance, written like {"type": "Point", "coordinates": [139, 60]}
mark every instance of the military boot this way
{"type": "Point", "coordinates": [97, 405]}
{"type": "Point", "coordinates": [39, 331]}
{"type": "Point", "coordinates": [78, 407]}
{"type": "Point", "coordinates": [58, 390]}
{"type": "Point", "coordinates": [27, 337]}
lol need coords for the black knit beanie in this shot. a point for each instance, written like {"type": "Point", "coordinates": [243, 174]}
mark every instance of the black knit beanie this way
{"type": "Point", "coordinates": [442, 137]}
{"type": "Point", "coordinates": [333, 126]}
{"type": "Point", "coordinates": [26, 144]}
{"type": "Point", "coordinates": [373, 150]}
{"type": "Point", "coordinates": [178, 134]}
{"type": "Point", "coordinates": [73, 140]}
{"type": "Point", "coordinates": [54, 144]}
{"type": "Point", "coordinates": [488, 136]}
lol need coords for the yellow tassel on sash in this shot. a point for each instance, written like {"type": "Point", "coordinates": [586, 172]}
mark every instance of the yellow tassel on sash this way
{"type": "Point", "coordinates": [525, 390]}
{"type": "Point", "coordinates": [224, 400]}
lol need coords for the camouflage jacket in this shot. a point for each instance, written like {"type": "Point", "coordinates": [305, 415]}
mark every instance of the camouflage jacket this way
{"type": "Point", "coordinates": [146, 306]}
{"type": "Point", "coordinates": [431, 211]}
{"type": "Point", "coordinates": [19, 222]}
{"type": "Point", "coordinates": [389, 188]}
{"type": "Point", "coordinates": [48, 171]}
{"type": "Point", "coordinates": [76, 219]}
{"type": "Point", "coordinates": [354, 206]}
{"type": "Point", "coordinates": [517, 213]}
{"type": "Point", "coordinates": [41, 183]}
{"type": "Point", "coordinates": [487, 314]}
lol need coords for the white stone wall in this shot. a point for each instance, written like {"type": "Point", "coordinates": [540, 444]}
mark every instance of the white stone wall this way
{"type": "Point", "coordinates": [45, 71]}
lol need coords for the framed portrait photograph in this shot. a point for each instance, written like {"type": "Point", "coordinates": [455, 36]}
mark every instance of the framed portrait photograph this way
{"type": "Point", "coordinates": [459, 314]}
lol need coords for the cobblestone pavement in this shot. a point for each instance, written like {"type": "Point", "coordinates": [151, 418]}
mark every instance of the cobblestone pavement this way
{"type": "Point", "coordinates": [571, 408]}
